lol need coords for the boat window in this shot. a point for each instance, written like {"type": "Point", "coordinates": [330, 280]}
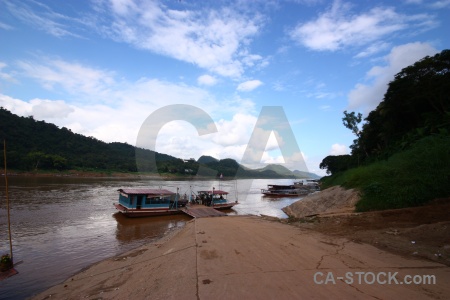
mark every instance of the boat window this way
{"type": "Point", "coordinates": [156, 200]}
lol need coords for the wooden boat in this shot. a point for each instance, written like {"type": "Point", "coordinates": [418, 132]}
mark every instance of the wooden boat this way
{"type": "Point", "coordinates": [140, 202]}
{"type": "Point", "coordinates": [296, 189]}
{"type": "Point", "coordinates": [216, 199]}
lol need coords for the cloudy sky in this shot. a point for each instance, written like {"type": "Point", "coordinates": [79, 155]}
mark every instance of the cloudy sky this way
{"type": "Point", "coordinates": [104, 68]}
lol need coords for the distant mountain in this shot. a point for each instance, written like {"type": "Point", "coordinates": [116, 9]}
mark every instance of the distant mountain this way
{"type": "Point", "coordinates": [278, 169]}
{"type": "Point", "coordinates": [282, 170]}
{"type": "Point", "coordinates": [204, 159]}
{"type": "Point", "coordinates": [302, 174]}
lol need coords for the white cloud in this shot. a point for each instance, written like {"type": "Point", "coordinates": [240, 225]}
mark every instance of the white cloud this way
{"type": "Point", "coordinates": [441, 4]}
{"type": "Point", "coordinates": [249, 85]}
{"type": "Point", "coordinates": [42, 17]}
{"type": "Point", "coordinates": [207, 80]}
{"type": "Point", "coordinates": [413, 1]}
{"type": "Point", "coordinates": [16, 106]}
{"type": "Point", "coordinates": [373, 49]}
{"type": "Point", "coordinates": [339, 27]}
{"type": "Point", "coordinates": [338, 149]}
{"type": "Point", "coordinates": [113, 111]}
{"type": "Point", "coordinates": [47, 109]}
{"type": "Point", "coordinates": [215, 40]}
{"type": "Point", "coordinates": [5, 76]}
{"type": "Point", "coordinates": [5, 26]}
{"type": "Point", "coordinates": [73, 77]}
{"type": "Point", "coordinates": [236, 131]}
{"type": "Point", "coordinates": [366, 97]}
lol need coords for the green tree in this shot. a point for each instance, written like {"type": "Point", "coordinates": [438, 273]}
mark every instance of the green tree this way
{"type": "Point", "coordinates": [336, 163]}
{"type": "Point", "coordinates": [351, 121]}
{"type": "Point", "coordinates": [416, 104]}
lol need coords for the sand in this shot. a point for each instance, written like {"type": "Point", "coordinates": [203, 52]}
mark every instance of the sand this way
{"type": "Point", "coordinates": [333, 200]}
{"type": "Point", "coordinates": [249, 257]}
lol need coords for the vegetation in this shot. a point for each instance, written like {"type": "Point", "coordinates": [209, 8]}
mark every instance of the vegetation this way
{"type": "Point", "coordinates": [408, 178]}
{"type": "Point", "coordinates": [401, 155]}
{"type": "Point", "coordinates": [36, 145]}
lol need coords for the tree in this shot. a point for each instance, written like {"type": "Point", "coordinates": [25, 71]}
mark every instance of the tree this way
{"type": "Point", "coordinates": [351, 121]}
{"type": "Point", "coordinates": [416, 104]}
{"type": "Point", "coordinates": [336, 163]}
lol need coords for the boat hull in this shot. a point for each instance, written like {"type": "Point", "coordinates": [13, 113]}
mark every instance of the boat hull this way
{"type": "Point", "coordinates": [224, 205]}
{"type": "Point", "coordinates": [281, 193]}
{"type": "Point", "coordinates": [137, 213]}
{"type": "Point", "coordinates": [146, 212]}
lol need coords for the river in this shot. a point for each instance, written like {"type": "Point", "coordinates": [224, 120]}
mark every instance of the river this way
{"type": "Point", "coordinates": [61, 225]}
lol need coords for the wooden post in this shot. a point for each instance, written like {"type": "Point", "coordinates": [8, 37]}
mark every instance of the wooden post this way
{"type": "Point", "coordinates": [7, 204]}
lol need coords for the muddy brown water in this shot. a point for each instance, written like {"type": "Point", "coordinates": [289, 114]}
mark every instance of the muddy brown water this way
{"type": "Point", "coordinates": [61, 225]}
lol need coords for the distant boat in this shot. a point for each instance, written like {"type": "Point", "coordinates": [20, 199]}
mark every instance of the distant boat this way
{"type": "Point", "coordinates": [299, 188]}
{"type": "Point", "coordinates": [141, 202]}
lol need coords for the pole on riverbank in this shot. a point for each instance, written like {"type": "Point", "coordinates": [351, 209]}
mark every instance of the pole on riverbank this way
{"type": "Point", "coordinates": [7, 203]}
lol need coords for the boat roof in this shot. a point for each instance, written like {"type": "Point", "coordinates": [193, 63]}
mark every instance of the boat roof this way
{"type": "Point", "coordinates": [134, 191]}
{"type": "Point", "coordinates": [219, 192]}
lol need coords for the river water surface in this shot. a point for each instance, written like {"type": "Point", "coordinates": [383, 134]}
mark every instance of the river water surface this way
{"type": "Point", "coordinates": [61, 225]}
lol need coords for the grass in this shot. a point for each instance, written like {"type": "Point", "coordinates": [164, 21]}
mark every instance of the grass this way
{"type": "Point", "coordinates": [408, 178]}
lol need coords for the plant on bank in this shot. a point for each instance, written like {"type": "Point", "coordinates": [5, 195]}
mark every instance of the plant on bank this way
{"type": "Point", "coordinates": [5, 262]}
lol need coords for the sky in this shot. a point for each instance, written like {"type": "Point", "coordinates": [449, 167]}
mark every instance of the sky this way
{"type": "Point", "coordinates": [278, 73]}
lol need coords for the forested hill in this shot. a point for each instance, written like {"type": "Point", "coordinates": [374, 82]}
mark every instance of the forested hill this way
{"type": "Point", "coordinates": [39, 145]}
{"type": "Point", "coordinates": [401, 154]}
{"type": "Point", "coordinates": [36, 146]}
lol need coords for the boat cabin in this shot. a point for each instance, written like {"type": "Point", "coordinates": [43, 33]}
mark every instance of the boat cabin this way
{"type": "Point", "coordinates": [214, 197]}
{"type": "Point", "coordinates": [145, 198]}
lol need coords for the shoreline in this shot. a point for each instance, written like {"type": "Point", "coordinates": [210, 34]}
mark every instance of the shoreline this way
{"type": "Point", "coordinates": [122, 175]}
{"type": "Point", "coordinates": [238, 256]}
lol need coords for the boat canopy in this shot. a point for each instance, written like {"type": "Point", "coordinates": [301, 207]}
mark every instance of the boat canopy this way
{"type": "Point", "coordinates": [215, 192]}
{"type": "Point", "coordinates": [281, 185]}
{"type": "Point", "coordinates": [153, 192]}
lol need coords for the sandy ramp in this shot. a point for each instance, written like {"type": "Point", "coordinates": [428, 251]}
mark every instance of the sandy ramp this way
{"type": "Point", "coordinates": [250, 258]}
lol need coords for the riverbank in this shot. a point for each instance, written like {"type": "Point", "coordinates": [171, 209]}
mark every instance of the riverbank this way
{"type": "Point", "coordinates": [131, 175]}
{"type": "Point", "coordinates": [103, 174]}
{"type": "Point", "coordinates": [253, 258]}
{"type": "Point", "coordinates": [416, 232]}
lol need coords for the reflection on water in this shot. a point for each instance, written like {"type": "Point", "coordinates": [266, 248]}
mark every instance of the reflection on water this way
{"type": "Point", "coordinates": [130, 229]}
{"type": "Point", "coordinates": [62, 225]}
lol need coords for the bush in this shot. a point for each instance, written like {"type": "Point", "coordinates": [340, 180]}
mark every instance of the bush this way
{"type": "Point", "coordinates": [408, 178]}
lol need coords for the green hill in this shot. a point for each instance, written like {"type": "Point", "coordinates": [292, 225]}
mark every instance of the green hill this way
{"type": "Point", "coordinates": [282, 170]}
{"type": "Point", "coordinates": [37, 145]}
{"type": "Point", "coordinates": [401, 155]}
{"type": "Point", "coordinates": [205, 159]}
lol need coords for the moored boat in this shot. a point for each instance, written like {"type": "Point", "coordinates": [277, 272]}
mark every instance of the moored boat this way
{"type": "Point", "coordinates": [143, 202]}
{"type": "Point", "coordinates": [216, 199]}
{"type": "Point", "coordinates": [298, 188]}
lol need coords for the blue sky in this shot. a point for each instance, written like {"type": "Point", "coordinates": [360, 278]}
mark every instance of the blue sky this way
{"type": "Point", "coordinates": [101, 67]}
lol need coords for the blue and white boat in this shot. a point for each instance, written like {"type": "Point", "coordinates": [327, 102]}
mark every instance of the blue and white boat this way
{"type": "Point", "coordinates": [143, 202]}
{"type": "Point", "coordinates": [216, 199]}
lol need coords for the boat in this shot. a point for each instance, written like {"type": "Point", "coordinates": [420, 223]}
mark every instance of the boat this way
{"type": "Point", "coordinates": [216, 199]}
{"type": "Point", "coordinates": [143, 202]}
{"type": "Point", "coordinates": [299, 188]}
